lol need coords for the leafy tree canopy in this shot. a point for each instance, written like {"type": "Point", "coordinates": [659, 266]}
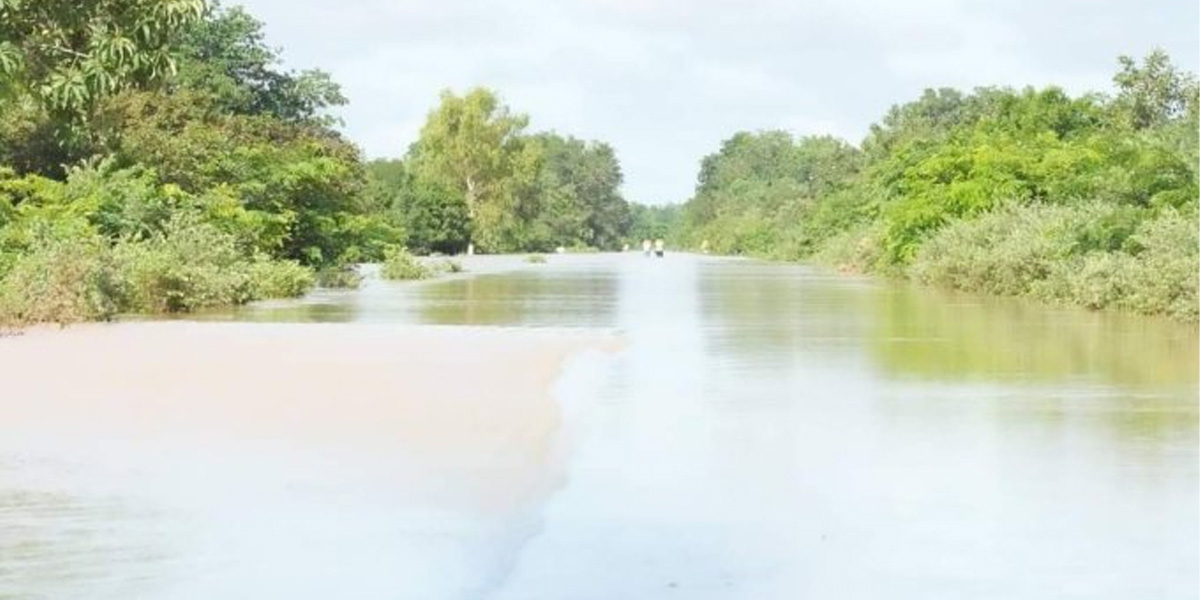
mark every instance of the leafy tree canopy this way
{"type": "Point", "coordinates": [68, 54]}
{"type": "Point", "coordinates": [226, 55]}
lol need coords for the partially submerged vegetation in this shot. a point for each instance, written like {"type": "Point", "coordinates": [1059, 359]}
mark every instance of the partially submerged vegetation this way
{"type": "Point", "coordinates": [180, 167]}
{"type": "Point", "coordinates": [400, 264]}
{"type": "Point", "coordinates": [68, 276]}
{"type": "Point", "coordinates": [339, 276]}
{"type": "Point", "coordinates": [1088, 200]}
{"type": "Point", "coordinates": [168, 171]}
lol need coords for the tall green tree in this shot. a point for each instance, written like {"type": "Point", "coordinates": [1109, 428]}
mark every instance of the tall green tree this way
{"type": "Point", "coordinates": [472, 145]}
{"type": "Point", "coordinates": [579, 197]}
{"type": "Point", "coordinates": [226, 56]}
{"type": "Point", "coordinates": [1153, 92]}
{"type": "Point", "coordinates": [932, 116]}
{"type": "Point", "coordinates": [299, 185]}
{"type": "Point", "coordinates": [760, 185]}
{"type": "Point", "coordinates": [434, 219]}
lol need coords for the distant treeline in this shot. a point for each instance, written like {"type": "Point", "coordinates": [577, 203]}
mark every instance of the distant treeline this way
{"type": "Point", "coordinates": [1088, 200]}
{"type": "Point", "coordinates": [475, 178]}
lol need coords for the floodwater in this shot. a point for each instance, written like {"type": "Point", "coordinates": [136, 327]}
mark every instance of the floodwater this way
{"type": "Point", "coordinates": [766, 431]}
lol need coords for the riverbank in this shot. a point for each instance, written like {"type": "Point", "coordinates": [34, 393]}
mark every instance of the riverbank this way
{"type": "Point", "coordinates": [1031, 264]}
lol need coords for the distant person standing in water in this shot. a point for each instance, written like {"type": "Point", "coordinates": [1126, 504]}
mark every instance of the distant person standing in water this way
{"type": "Point", "coordinates": [646, 247]}
{"type": "Point", "coordinates": [658, 247]}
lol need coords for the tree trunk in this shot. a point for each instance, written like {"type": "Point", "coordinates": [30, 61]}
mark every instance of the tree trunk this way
{"type": "Point", "coordinates": [470, 216]}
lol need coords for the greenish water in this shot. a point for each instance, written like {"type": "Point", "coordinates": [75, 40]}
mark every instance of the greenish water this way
{"type": "Point", "coordinates": [772, 431]}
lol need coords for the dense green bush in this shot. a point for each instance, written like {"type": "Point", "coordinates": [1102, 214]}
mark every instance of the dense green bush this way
{"type": "Point", "coordinates": [1010, 251]}
{"type": "Point", "coordinates": [857, 250]}
{"type": "Point", "coordinates": [1095, 255]}
{"type": "Point", "coordinates": [61, 279]}
{"type": "Point", "coordinates": [399, 264]}
{"type": "Point", "coordinates": [342, 276]}
{"type": "Point", "coordinates": [111, 240]}
{"type": "Point", "coordinates": [192, 265]}
{"type": "Point", "coordinates": [188, 266]}
{"type": "Point", "coordinates": [1160, 278]}
{"type": "Point", "coordinates": [279, 278]}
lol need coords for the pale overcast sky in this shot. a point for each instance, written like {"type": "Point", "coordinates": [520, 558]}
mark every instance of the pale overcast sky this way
{"type": "Point", "coordinates": [664, 81]}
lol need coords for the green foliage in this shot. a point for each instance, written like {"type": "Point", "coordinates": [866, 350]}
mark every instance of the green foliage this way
{"type": "Point", "coordinates": [191, 265]}
{"type": "Point", "coordinates": [578, 196]}
{"type": "Point", "coordinates": [1028, 192]}
{"type": "Point", "coordinates": [472, 146]}
{"type": "Point", "coordinates": [32, 141]}
{"type": "Point", "coordinates": [294, 188]}
{"type": "Point", "coordinates": [931, 117]}
{"type": "Point", "coordinates": [475, 177]}
{"type": "Point", "coordinates": [1159, 279]}
{"type": "Point", "coordinates": [855, 250]}
{"type": "Point", "coordinates": [654, 222]}
{"type": "Point", "coordinates": [399, 264]}
{"type": "Point", "coordinates": [217, 184]}
{"type": "Point", "coordinates": [1153, 93]}
{"type": "Point", "coordinates": [60, 278]}
{"type": "Point", "coordinates": [226, 57]}
{"type": "Point", "coordinates": [68, 55]}
{"type": "Point", "coordinates": [188, 266]}
{"type": "Point", "coordinates": [279, 278]}
{"type": "Point", "coordinates": [111, 240]}
{"type": "Point", "coordinates": [343, 276]}
{"type": "Point", "coordinates": [124, 203]}
{"type": "Point", "coordinates": [751, 193]}
{"type": "Point", "coordinates": [433, 218]}
{"type": "Point", "coordinates": [1023, 149]}
{"type": "Point", "coordinates": [1014, 250]}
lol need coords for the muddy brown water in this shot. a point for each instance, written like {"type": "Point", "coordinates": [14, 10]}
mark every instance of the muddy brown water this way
{"type": "Point", "coordinates": [757, 431]}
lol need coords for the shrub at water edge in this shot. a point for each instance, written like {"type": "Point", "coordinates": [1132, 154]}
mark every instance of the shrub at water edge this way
{"type": "Point", "coordinates": [399, 264]}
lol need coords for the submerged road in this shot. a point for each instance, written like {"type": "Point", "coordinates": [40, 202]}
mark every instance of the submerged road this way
{"type": "Point", "coordinates": [759, 431]}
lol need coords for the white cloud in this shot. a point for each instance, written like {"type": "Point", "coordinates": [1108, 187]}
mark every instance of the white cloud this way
{"type": "Point", "coordinates": [664, 81]}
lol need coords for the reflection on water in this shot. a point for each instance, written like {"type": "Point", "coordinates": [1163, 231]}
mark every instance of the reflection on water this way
{"type": "Point", "coordinates": [947, 336]}
{"type": "Point", "coordinates": [49, 544]}
{"type": "Point", "coordinates": [769, 431]}
{"type": "Point", "coordinates": [761, 314]}
{"type": "Point", "coordinates": [570, 291]}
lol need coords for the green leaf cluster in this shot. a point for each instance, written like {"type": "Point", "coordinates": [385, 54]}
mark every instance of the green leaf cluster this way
{"type": "Point", "coordinates": [1017, 192]}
